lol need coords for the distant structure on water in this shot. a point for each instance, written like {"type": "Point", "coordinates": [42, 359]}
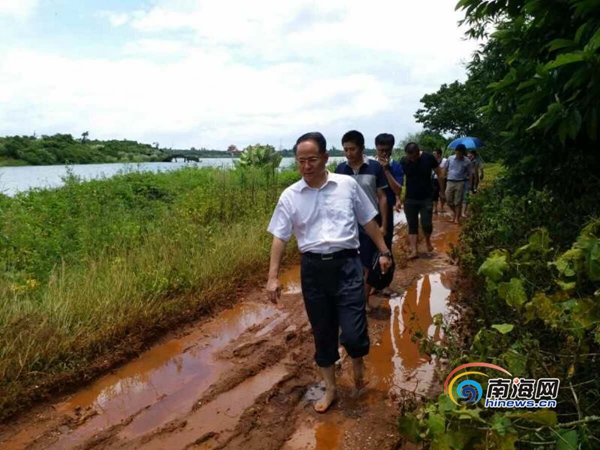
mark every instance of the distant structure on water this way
{"type": "Point", "coordinates": [234, 150]}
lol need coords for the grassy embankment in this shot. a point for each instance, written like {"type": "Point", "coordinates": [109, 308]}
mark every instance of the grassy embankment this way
{"type": "Point", "coordinates": [90, 271]}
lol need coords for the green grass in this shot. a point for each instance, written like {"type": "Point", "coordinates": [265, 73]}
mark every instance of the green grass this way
{"type": "Point", "coordinates": [9, 162]}
{"type": "Point", "coordinates": [87, 266]}
{"type": "Point", "coordinates": [491, 173]}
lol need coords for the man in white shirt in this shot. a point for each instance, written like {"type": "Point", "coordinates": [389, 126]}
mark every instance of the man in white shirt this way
{"type": "Point", "coordinates": [323, 210]}
{"type": "Point", "coordinates": [459, 171]}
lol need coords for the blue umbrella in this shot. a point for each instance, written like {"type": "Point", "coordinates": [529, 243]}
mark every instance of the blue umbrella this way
{"type": "Point", "coordinates": [469, 142]}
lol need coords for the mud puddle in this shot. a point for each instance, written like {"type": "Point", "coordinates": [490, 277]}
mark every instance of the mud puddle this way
{"type": "Point", "coordinates": [247, 378]}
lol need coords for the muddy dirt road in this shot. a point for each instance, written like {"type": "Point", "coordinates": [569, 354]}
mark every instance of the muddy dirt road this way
{"type": "Point", "coordinates": [246, 378]}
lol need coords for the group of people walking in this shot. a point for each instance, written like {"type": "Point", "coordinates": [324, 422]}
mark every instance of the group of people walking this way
{"type": "Point", "coordinates": [343, 223]}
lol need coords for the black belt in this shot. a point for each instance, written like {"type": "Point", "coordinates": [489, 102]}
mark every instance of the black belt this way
{"type": "Point", "coordinates": [457, 181]}
{"type": "Point", "coordinates": [336, 255]}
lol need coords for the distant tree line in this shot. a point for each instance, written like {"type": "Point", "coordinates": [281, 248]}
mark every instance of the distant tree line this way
{"type": "Point", "coordinates": [64, 149]}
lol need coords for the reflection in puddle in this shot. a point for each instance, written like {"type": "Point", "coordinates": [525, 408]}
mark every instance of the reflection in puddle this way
{"type": "Point", "coordinates": [399, 217]}
{"type": "Point", "coordinates": [396, 362]}
{"type": "Point", "coordinates": [324, 435]}
{"type": "Point", "coordinates": [443, 242]}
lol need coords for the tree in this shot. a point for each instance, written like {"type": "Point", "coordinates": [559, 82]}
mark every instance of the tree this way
{"type": "Point", "coordinates": [453, 109]}
{"type": "Point", "coordinates": [427, 140]}
{"type": "Point", "coordinates": [543, 68]}
{"type": "Point", "coordinates": [84, 136]}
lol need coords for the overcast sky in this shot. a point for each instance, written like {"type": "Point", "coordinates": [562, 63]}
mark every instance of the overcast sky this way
{"type": "Point", "coordinates": [209, 73]}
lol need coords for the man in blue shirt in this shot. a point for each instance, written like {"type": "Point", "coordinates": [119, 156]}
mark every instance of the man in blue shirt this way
{"type": "Point", "coordinates": [371, 178]}
{"type": "Point", "coordinates": [384, 144]}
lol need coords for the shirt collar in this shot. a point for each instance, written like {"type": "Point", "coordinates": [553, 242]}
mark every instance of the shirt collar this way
{"type": "Point", "coordinates": [366, 160]}
{"type": "Point", "coordinates": [304, 184]}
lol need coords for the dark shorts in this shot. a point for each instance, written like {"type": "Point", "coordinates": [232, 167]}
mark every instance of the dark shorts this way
{"type": "Point", "coordinates": [415, 208]}
{"type": "Point", "coordinates": [367, 246]}
{"type": "Point", "coordinates": [334, 297]}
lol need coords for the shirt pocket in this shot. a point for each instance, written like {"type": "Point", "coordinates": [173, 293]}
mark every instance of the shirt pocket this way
{"type": "Point", "coordinates": [342, 210]}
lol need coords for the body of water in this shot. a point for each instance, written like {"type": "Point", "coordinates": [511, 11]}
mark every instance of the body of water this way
{"type": "Point", "coordinates": [19, 179]}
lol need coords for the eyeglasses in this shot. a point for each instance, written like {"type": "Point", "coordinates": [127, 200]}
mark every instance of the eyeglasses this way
{"type": "Point", "coordinates": [303, 161]}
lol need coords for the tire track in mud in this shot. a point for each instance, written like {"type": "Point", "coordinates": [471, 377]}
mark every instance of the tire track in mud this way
{"type": "Point", "coordinates": [247, 379]}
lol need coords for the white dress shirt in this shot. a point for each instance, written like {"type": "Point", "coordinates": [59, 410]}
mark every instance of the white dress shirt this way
{"type": "Point", "coordinates": [324, 220]}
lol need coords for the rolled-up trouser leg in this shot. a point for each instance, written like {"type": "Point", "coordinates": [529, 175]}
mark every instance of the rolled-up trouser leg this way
{"type": "Point", "coordinates": [351, 308]}
{"type": "Point", "coordinates": [426, 211]}
{"type": "Point", "coordinates": [411, 210]}
{"type": "Point", "coordinates": [321, 307]}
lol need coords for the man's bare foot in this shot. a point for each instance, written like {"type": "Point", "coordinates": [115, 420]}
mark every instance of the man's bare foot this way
{"type": "Point", "coordinates": [358, 365]}
{"type": "Point", "coordinates": [429, 247]}
{"type": "Point", "coordinates": [325, 402]}
{"type": "Point", "coordinates": [413, 255]}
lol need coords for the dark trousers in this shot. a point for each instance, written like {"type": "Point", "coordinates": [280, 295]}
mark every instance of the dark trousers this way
{"type": "Point", "coordinates": [334, 296]}
{"type": "Point", "coordinates": [415, 208]}
{"type": "Point", "coordinates": [367, 246]}
{"type": "Point", "coordinates": [389, 235]}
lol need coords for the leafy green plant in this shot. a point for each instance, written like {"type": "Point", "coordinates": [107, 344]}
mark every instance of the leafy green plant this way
{"type": "Point", "coordinates": [550, 302]}
{"type": "Point", "coordinates": [260, 156]}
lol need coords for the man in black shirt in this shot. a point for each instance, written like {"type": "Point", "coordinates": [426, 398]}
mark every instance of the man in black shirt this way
{"type": "Point", "coordinates": [418, 200]}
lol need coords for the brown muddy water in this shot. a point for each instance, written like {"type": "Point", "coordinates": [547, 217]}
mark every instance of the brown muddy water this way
{"type": "Point", "coordinates": [246, 378]}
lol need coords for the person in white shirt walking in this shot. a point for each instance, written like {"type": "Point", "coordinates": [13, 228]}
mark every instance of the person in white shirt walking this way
{"type": "Point", "coordinates": [323, 210]}
{"type": "Point", "coordinates": [459, 172]}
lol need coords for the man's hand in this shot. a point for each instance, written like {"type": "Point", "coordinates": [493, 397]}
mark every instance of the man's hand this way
{"type": "Point", "coordinates": [398, 205]}
{"type": "Point", "coordinates": [385, 263]}
{"type": "Point", "coordinates": [273, 290]}
{"type": "Point", "coordinates": [385, 163]}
